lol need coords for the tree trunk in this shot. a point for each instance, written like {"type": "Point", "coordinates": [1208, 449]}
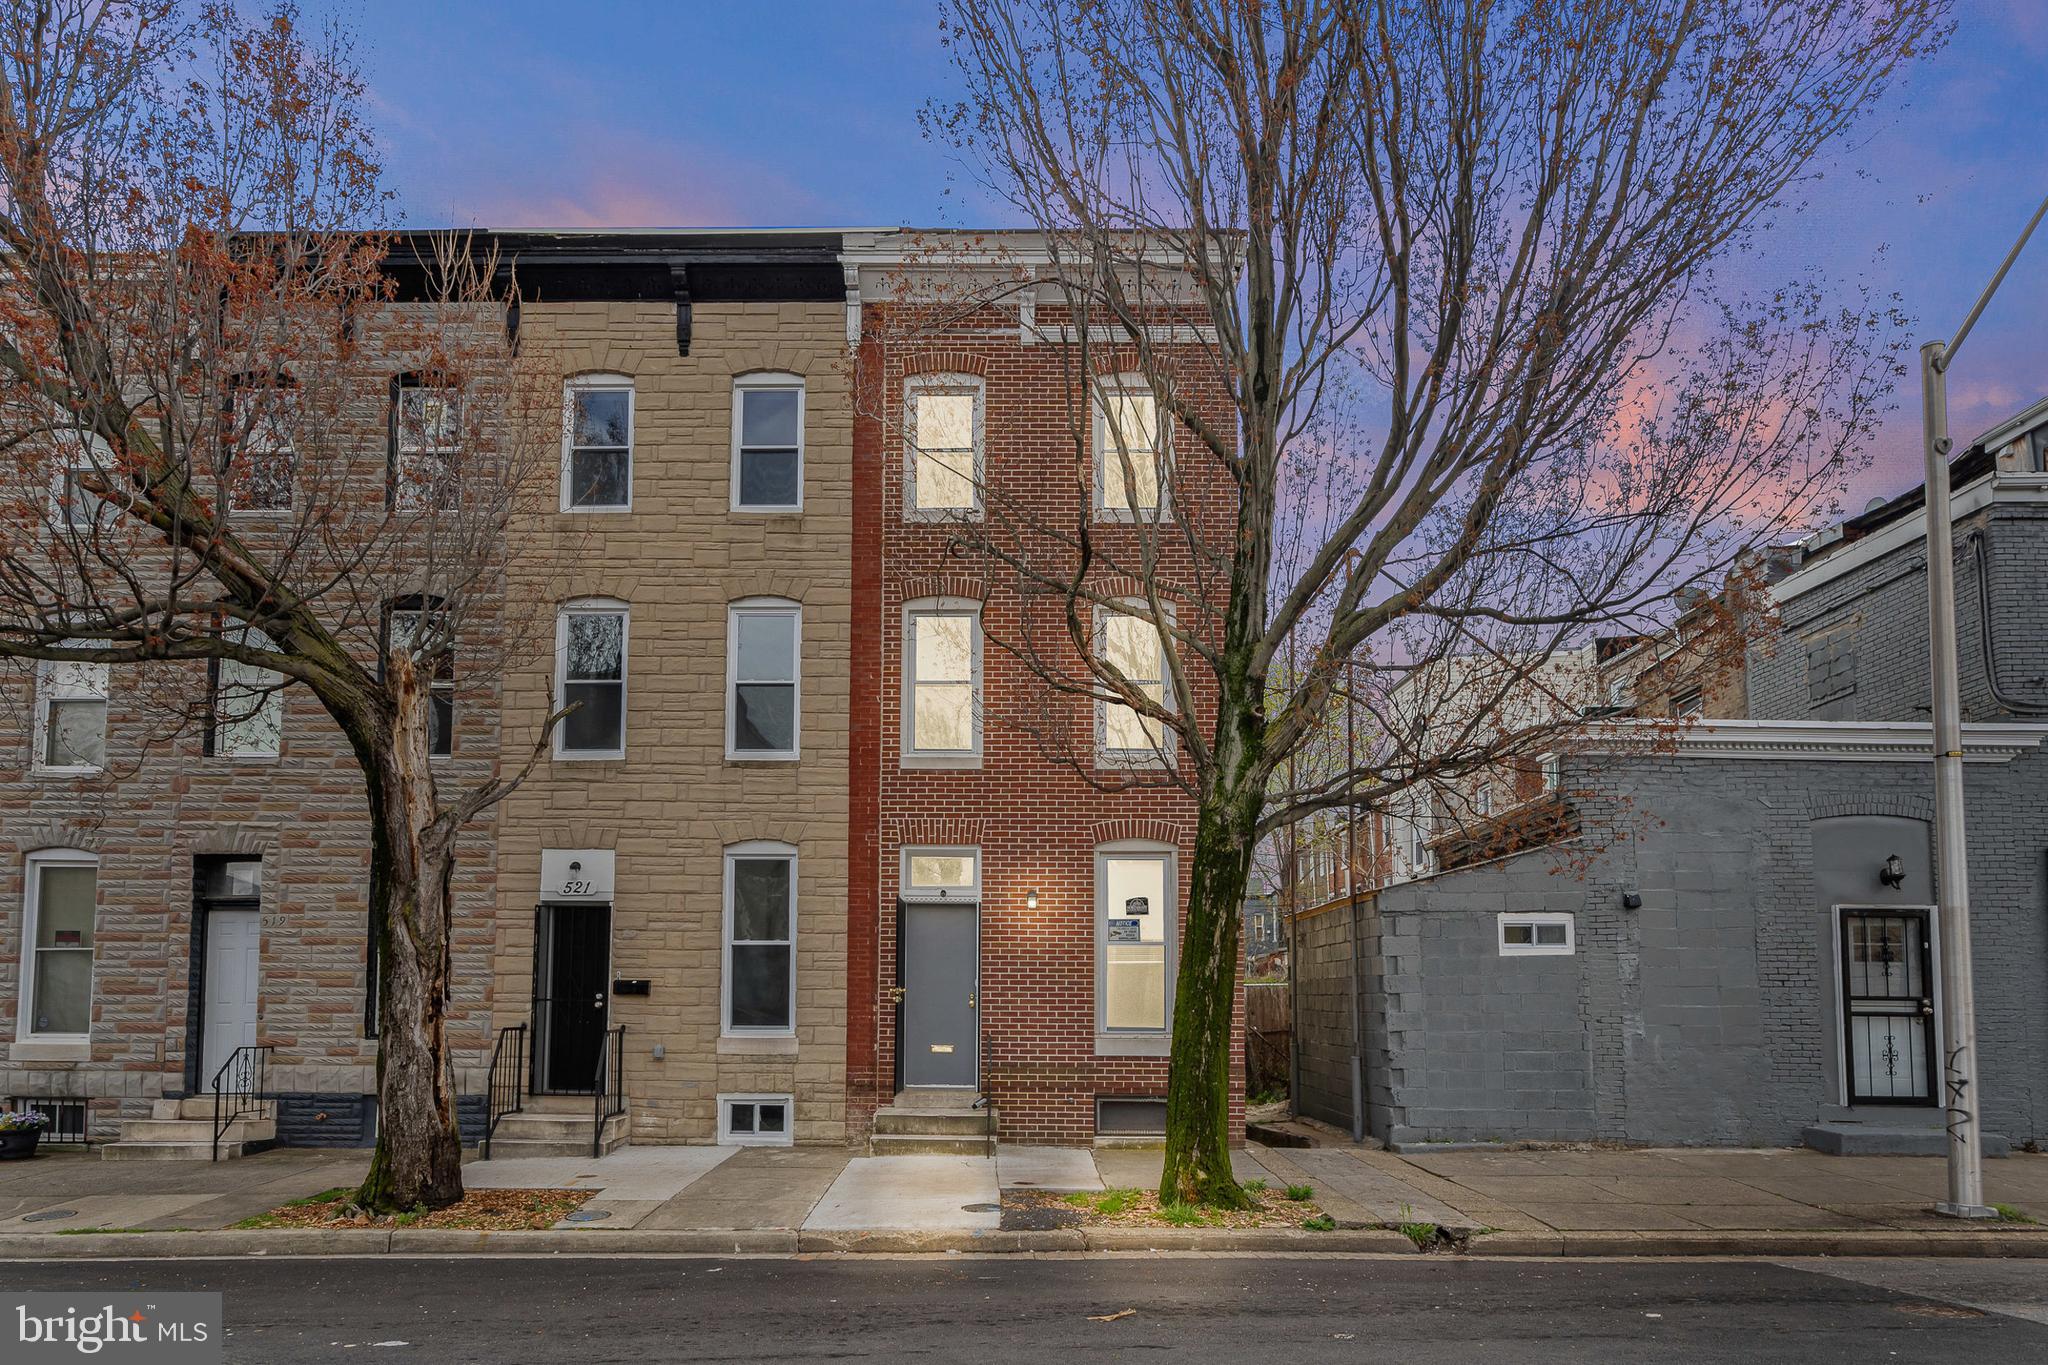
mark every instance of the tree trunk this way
{"type": "Point", "coordinates": [418, 1159]}
{"type": "Point", "coordinates": [1197, 1167]}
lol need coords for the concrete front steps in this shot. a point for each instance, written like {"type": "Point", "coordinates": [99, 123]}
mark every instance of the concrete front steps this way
{"type": "Point", "coordinates": [1873, 1139]}
{"type": "Point", "coordinates": [927, 1122]}
{"type": "Point", "coordinates": [555, 1125]}
{"type": "Point", "coordinates": [182, 1130]}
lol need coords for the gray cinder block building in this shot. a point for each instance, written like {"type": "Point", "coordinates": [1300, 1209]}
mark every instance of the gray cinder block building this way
{"type": "Point", "coordinates": [1731, 938]}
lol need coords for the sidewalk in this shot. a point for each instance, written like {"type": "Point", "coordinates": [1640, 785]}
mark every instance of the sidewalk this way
{"type": "Point", "coordinates": [712, 1199]}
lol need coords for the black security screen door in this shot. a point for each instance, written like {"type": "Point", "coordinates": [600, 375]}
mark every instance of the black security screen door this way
{"type": "Point", "coordinates": [1888, 1006]}
{"type": "Point", "coordinates": [572, 959]}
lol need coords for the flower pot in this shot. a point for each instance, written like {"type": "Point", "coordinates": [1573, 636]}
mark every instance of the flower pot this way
{"type": "Point", "coordinates": [20, 1144]}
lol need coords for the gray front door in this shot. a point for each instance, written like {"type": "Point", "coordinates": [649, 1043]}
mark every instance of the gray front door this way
{"type": "Point", "coordinates": [941, 953]}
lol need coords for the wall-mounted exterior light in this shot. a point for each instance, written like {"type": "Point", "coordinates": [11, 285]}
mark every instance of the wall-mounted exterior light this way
{"type": "Point", "coordinates": [1893, 873]}
{"type": "Point", "coordinates": [1631, 900]}
{"type": "Point", "coordinates": [1030, 900]}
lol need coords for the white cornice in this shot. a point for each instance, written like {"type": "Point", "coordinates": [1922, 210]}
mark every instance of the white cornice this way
{"type": "Point", "coordinates": [1910, 529]}
{"type": "Point", "coordinates": [1824, 741]}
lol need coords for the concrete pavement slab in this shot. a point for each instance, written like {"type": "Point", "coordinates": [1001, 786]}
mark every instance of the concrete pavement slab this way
{"type": "Point", "coordinates": [758, 1188]}
{"type": "Point", "coordinates": [103, 1211]}
{"type": "Point", "coordinates": [1357, 1193]}
{"type": "Point", "coordinates": [911, 1193]}
{"type": "Point", "coordinates": [654, 1174]}
{"type": "Point", "coordinates": [1609, 1217]}
{"type": "Point", "coordinates": [1047, 1168]}
{"type": "Point", "coordinates": [1140, 1167]}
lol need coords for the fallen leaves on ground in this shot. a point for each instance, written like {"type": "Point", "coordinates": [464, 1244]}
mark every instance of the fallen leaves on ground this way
{"type": "Point", "coordinates": [485, 1210]}
{"type": "Point", "coordinates": [1141, 1209]}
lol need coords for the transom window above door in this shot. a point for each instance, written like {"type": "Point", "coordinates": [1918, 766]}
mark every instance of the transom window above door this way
{"type": "Point", "coordinates": [768, 443]}
{"type": "Point", "coordinates": [597, 468]}
{"type": "Point", "coordinates": [941, 874]}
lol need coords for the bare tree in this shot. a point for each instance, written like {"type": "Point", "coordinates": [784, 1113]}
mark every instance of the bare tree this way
{"type": "Point", "coordinates": [1461, 271]}
{"type": "Point", "coordinates": [210, 462]}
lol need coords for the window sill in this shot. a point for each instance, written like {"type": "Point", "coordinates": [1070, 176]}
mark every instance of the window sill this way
{"type": "Point", "coordinates": [1133, 1044]}
{"type": "Point", "coordinates": [66, 772]}
{"type": "Point", "coordinates": [51, 1050]}
{"type": "Point", "coordinates": [598, 510]}
{"type": "Point", "coordinates": [940, 516]}
{"type": "Point", "coordinates": [757, 1045]}
{"type": "Point", "coordinates": [749, 760]}
{"type": "Point", "coordinates": [1132, 762]}
{"type": "Point", "coordinates": [1110, 516]}
{"type": "Point", "coordinates": [940, 762]}
{"type": "Point", "coordinates": [589, 756]}
{"type": "Point", "coordinates": [745, 511]}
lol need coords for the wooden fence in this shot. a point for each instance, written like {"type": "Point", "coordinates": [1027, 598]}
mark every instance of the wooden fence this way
{"type": "Point", "coordinates": [1268, 1032]}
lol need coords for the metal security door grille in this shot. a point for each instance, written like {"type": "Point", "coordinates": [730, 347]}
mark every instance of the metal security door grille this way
{"type": "Point", "coordinates": [1888, 1006]}
{"type": "Point", "coordinates": [572, 959]}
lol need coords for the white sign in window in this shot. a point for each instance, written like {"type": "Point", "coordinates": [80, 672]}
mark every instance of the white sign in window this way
{"type": "Point", "coordinates": [1134, 909]}
{"type": "Point", "coordinates": [63, 895]}
{"type": "Point", "coordinates": [1533, 934]}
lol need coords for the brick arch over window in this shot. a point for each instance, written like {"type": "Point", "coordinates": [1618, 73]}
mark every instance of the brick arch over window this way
{"type": "Point", "coordinates": [958, 586]}
{"type": "Point", "coordinates": [742, 587]}
{"type": "Point", "coordinates": [36, 836]}
{"type": "Point", "coordinates": [253, 842]}
{"type": "Point", "coordinates": [935, 829]}
{"type": "Point", "coordinates": [791, 362]}
{"type": "Point", "coordinates": [941, 362]}
{"type": "Point", "coordinates": [1906, 805]}
{"type": "Point", "coordinates": [1136, 828]}
{"type": "Point", "coordinates": [611, 360]}
{"type": "Point", "coordinates": [790, 832]}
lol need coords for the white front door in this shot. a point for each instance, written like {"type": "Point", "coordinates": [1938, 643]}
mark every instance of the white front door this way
{"type": "Point", "coordinates": [233, 970]}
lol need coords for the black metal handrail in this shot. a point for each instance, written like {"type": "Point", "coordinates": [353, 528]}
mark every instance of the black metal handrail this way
{"type": "Point", "coordinates": [241, 1086]}
{"type": "Point", "coordinates": [608, 1093]}
{"type": "Point", "coordinates": [506, 1085]}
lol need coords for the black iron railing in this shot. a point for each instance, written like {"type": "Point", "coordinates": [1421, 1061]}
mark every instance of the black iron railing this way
{"type": "Point", "coordinates": [68, 1115]}
{"type": "Point", "coordinates": [507, 1083]}
{"type": "Point", "coordinates": [241, 1087]}
{"type": "Point", "coordinates": [609, 1092]}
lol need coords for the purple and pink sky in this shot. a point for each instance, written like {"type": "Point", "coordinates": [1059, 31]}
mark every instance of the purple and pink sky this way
{"type": "Point", "coordinates": [514, 113]}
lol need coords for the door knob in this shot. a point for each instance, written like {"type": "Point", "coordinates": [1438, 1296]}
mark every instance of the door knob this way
{"type": "Point", "coordinates": [970, 999]}
{"type": "Point", "coordinates": [895, 995]}
{"type": "Point", "coordinates": [597, 1001]}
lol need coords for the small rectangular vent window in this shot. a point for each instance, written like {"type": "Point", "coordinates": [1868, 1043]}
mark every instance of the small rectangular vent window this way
{"type": "Point", "coordinates": [754, 1120]}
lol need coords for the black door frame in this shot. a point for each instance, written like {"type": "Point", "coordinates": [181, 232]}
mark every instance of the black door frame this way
{"type": "Point", "coordinates": [1931, 1010]}
{"type": "Point", "coordinates": [902, 986]}
{"type": "Point", "coordinates": [203, 907]}
{"type": "Point", "coordinates": [542, 1000]}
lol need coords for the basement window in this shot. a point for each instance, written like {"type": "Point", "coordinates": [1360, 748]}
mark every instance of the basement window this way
{"type": "Point", "coordinates": [1537, 935]}
{"type": "Point", "coordinates": [753, 1120]}
{"type": "Point", "coordinates": [1129, 1116]}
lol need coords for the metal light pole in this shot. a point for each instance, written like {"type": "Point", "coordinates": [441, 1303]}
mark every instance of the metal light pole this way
{"type": "Point", "coordinates": [1952, 889]}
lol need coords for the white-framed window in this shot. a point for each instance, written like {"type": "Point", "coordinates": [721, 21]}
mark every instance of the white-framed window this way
{"type": "Point", "coordinates": [1132, 452]}
{"type": "Point", "coordinates": [57, 945]}
{"type": "Point", "coordinates": [944, 435]}
{"type": "Point", "coordinates": [1691, 705]}
{"type": "Point", "coordinates": [73, 506]}
{"type": "Point", "coordinates": [1411, 830]}
{"type": "Point", "coordinates": [1136, 647]}
{"type": "Point", "coordinates": [263, 425]}
{"type": "Point", "coordinates": [764, 638]}
{"type": "Point", "coordinates": [1552, 769]}
{"type": "Point", "coordinates": [768, 443]}
{"type": "Point", "coordinates": [1482, 800]}
{"type": "Point", "coordinates": [597, 439]}
{"type": "Point", "coordinates": [426, 444]}
{"type": "Point", "coordinates": [759, 992]}
{"type": "Point", "coordinates": [1136, 937]}
{"type": "Point", "coordinates": [418, 626]}
{"type": "Point", "coordinates": [590, 671]}
{"type": "Point", "coordinates": [247, 715]}
{"type": "Point", "coordinates": [941, 681]}
{"type": "Point", "coordinates": [948, 873]}
{"type": "Point", "coordinates": [755, 1120]}
{"type": "Point", "coordinates": [1533, 934]}
{"type": "Point", "coordinates": [71, 715]}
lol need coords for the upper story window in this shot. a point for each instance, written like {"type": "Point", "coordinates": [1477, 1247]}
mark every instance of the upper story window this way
{"type": "Point", "coordinates": [1134, 645]}
{"type": "Point", "coordinates": [74, 506]}
{"type": "Point", "coordinates": [590, 673]}
{"type": "Point", "coordinates": [247, 715]}
{"type": "Point", "coordinates": [768, 443]}
{"type": "Point", "coordinates": [263, 422]}
{"type": "Point", "coordinates": [760, 938]}
{"type": "Point", "coordinates": [1135, 893]}
{"type": "Point", "coordinates": [426, 443]}
{"type": "Point", "coordinates": [71, 715]}
{"type": "Point", "coordinates": [763, 641]}
{"type": "Point", "coordinates": [57, 944]}
{"type": "Point", "coordinates": [943, 430]}
{"type": "Point", "coordinates": [941, 680]}
{"type": "Point", "coordinates": [597, 468]}
{"type": "Point", "coordinates": [417, 626]}
{"type": "Point", "coordinates": [1130, 452]}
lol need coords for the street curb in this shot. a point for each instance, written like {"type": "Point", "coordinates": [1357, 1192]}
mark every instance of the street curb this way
{"type": "Point", "coordinates": [44, 1246]}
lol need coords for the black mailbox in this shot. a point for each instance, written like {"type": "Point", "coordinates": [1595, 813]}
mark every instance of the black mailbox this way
{"type": "Point", "coordinates": [630, 986]}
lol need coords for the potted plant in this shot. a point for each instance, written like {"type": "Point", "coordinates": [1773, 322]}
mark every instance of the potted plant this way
{"type": "Point", "coordinates": [20, 1130]}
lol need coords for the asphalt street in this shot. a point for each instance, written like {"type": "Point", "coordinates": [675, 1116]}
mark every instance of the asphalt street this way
{"type": "Point", "coordinates": [1201, 1309]}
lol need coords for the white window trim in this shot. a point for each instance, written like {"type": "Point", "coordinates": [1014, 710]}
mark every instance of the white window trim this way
{"type": "Point", "coordinates": [756, 849]}
{"type": "Point", "coordinates": [593, 606]}
{"type": "Point", "coordinates": [272, 703]}
{"type": "Point", "coordinates": [1533, 918]}
{"type": "Point", "coordinates": [971, 385]}
{"type": "Point", "coordinates": [44, 697]}
{"type": "Point", "coordinates": [1163, 756]}
{"type": "Point", "coordinates": [734, 613]}
{"type": "Point", "coordinates": [288, 448]}
{"type": "Point", "coordinates": [728, 1138]}
{"type": "Point", "coordinates": [586, 383]}
{"type": "Point", "coordinates": [94, 456]}
{"type": "Point", "coordinates": [409, 493]}
{"type": "Point", "coordinates": [908, 754]}
{"type": "Point", "coordinates": [62, 1046]}
{"type": "Point", "coordinates": [741, 386]}
{"type": "Point", "coordinates": [1103, 448]}
{"type": "Point", "coordinates": [1135, 1042]}
{"type": "Point", "coordinates": [966, 895]}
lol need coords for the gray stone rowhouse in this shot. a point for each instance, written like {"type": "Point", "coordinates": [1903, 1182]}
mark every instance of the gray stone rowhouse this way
{"type": "Point", "coordinates": [1705, 889]}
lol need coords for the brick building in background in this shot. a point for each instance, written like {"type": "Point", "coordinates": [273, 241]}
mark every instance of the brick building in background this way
{"type": "Point", "coordinates": [1013, 926]}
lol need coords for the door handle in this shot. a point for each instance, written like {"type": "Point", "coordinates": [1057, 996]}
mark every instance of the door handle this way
{"type": "Point", "coordinates": [597, 1001]}
{"type": "Point", "coordinates": [895, 995]}
{"type": "Point", "coordinates": [970, 999]}
{"type": "Point", "coordinates": [1927, 1008]}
